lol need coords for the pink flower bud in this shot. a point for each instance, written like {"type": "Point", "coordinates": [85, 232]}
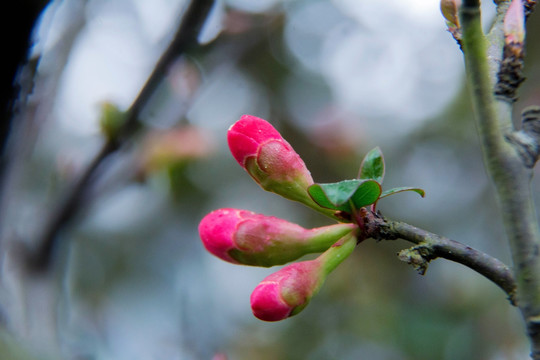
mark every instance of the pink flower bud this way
{"type": "Point", "coordinates": [514, 23]}
{"type": "Point", "coordinates": [247, 135]}
{"type": "Point", "coordinates": [243, 237]}
{"type": "Point", "coordinates": [269, 159]}
{"type": "Point", "coordinates": [288, 291]}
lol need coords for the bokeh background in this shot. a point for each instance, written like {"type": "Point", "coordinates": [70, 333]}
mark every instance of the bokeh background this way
{"type": "Point", "coordinates": [336, 78]}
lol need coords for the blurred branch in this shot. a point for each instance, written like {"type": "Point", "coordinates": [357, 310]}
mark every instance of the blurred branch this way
{"type": "Point", "coordinates": [505, 165]}
{"type": "Point", "coordinates": [185, 38]}
{"type": "Point", "coordinates": [431, 246]}
{"type": "Point", "coordinates": [21, 19]}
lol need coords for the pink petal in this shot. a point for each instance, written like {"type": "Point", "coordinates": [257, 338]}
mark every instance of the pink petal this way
{"type": "Point", "coordinates": [281, 162]}
{"type": "Point", "coordinates": [247, 134]}
{"type": "Point", "coordinates": [267, 303]}
{"type": "Point", "coordinates": [242, 146]}
{"type": "Point", "coordinates": [217, 230]}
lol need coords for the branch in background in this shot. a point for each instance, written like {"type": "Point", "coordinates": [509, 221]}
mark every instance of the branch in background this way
{"type": "Point", "coordinates": [510, 175]}
{"type": "Point", "coordinates": [33, 107]}
{"type": "Point", "coordinates": [431, 246]}
{"type": "Point", "coordinates": [39, 259]}
{"type": "Point", "coordinates": [527, 140]}
{"type": "Point", "coordinates": [185, 38]}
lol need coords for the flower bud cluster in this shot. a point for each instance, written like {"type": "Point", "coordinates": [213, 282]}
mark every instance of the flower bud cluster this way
{"type": "Point", "coordinates": [243, 237]}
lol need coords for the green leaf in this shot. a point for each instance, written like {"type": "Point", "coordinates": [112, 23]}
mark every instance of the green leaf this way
{"type": "Point", "coordinates": [386, 193]}
{"type": "Point", "coordinates": [340, 195]}
{"type": "Point", "coordinates": [334, 195]}
{"type": "Point", "coordinates": [372, 166]}
{"type": "Point", "coordinates": [367, 193]}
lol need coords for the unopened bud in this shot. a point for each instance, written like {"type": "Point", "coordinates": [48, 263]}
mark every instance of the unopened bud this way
{"type": "Point", "coordinates": [270, 160]}
{"type": "Point", "coordinates": [244, 237]}
{"type": "Point", "coordinates": [450, 11]}
{"type": "Point", "coordinates": [288, 291]}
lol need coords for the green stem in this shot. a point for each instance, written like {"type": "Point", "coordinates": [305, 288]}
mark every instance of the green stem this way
{"type": "Point", "coordinates": [320, 239]}
{"type": "Point", "coordinates": [338, 252]}
{"type": "Point", "coordinates": [507, 170]}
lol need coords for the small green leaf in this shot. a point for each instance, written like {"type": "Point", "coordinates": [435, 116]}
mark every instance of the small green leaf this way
{"type": "Point", "coordinates": [340, 195]}
{"type": "Point", "coordinates": [317, 194]}
{"type": "Point", "coordinates": [386, 193]}
{"type": "Point", "coordinates": [372, 166]}
{"type": "Point", "coordinates": [367, 193]}
{"type": "Point", "coordinates": [334, 195]}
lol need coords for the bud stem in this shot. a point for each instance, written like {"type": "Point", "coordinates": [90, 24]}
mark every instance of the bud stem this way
{"type": "Point", "coordinates": [320, 237]}
{"type": "Point", "coordinates": [337, 253]}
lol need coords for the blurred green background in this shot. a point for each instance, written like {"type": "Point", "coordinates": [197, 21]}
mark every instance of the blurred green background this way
{"type": "Point", "coordinates": [336, 78]}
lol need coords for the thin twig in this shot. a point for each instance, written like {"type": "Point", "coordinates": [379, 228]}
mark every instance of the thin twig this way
{"type": "Point", "coordinates": [431, 246]}
{"type": "Point", "coordinates": [185, 38]}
